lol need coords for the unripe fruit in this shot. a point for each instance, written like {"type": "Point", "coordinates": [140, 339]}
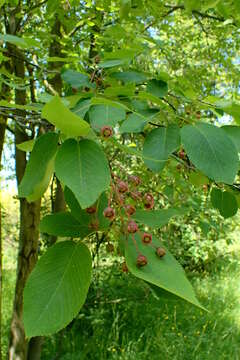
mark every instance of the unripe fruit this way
{"type": "Point", "coordinates": [146, 238]}
{"type": "Point", "coordinates": [181, 154]}
{"type": "Point", "coordinates": [109, 248]}
{"type": "Point", "coordinates": [130, 209]}
{"type": "Point", "coordinates": [122, 187]}
{"type": "Point", "coordinates": [160, 252]}
{"type": "Point", "coordinates": [91, 210]}
{"type": "Point", "coordinates": [106, 131]}
{"type": "Point", "coordinates": [109, 213]}
{"type": "Point", "coordinates": [132, 227]}
{"type": "Point", "coordinates": [179, 167]}
{"type": "Point", "coordinates": [124, 267]}
{"type": "Point", "coordinates": [141, 260]}
{"type": "Point", "coordinates": [148, 201]}
{"type": "Point", "coordinates": [135, 180]}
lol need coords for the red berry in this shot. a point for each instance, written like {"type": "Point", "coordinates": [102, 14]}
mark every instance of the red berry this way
{"type": "Point", "coordinates": [124, 267]}
{"type": "Point", "coordinates": [130, 209]}
{"type": "Point", "coordinates": [141, 260]}
{"type": "Point", "coordinates": [146, 238]}
{"type": "Point", "coordinates": [148, 201]}
{"type": "Point", "coordinates": [106, 131]}
{"type": "Point", "coordinates": [122, 187]}
{"type": "Point", "coordinates": [135, 180]}
{"type": "Point", "coordinates": [132, 227]}
{"type": "Point", "coordinates": [91, 210]}
{"type": "Point", "coordinates": [160, 252]}
{"type": "Point", "coordinates": [109, 213]}
{"type": "Point", "coordinates": [181, 154]}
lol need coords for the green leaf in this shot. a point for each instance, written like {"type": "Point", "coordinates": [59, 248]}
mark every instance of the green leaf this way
{"type": "Point", "coordinates": [130, 76]}
{"type": "Point", "coordinates": [26, 146]}
{"type": "Point", "coordinates": [114, 91]}
{"type": "Point", "coordinates": [83, 167]}
{"type": "Point", "coordinates": [230, 107]}
{"type": "Point", "coordinates": [24, 43]}
{"type": "Point", "coordinates": [81, 215]}
{"type": "Point", "coordinates": [159, 144]}
{"type": "Point", "coordinates": [157, 218]}
{"type": "Point", "coordinates": [234, 133]}
{"type": "Point", "coordinates": [76, 79]}
{"type": "Point", "coordinates": [211, 151]}
{"type": "Point", "coordinates": [112, 63]}
{"type": "Point", "coordinates": [64, 224]}
{"type": "Point", "coordinates": [165, 273]}
{"type": "Point", "coordinates": [133, 124]}
{"type": "Point", "coordinates": [225, 202]}
{"type": "Point", "coordinates": [157, 88]}
{"type": "Point", "coordinates": [82, 107]}
{"type": "Point", "coordinates": [39, 168]}
{"type": "Point", "coordinates": [101, 115]}
{"type": "Point", "coordinates": [65, 120]}
{"type": "Point", "coordinates": [56, 289]}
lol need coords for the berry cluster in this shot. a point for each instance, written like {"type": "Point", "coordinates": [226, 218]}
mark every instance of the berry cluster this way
{"type": "Point", "coordinates": [124, 195]}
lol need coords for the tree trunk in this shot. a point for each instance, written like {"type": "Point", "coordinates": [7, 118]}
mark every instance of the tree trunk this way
{"type": "Point", "coordinates": [29, 233]}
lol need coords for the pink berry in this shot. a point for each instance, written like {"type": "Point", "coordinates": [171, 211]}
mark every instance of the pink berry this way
{"type": "Point", "coordinates": [146, 238]}
{"type": "Point", "coordinates": [106, 131]}
{"type": "Point", "coordinates": [135, 180]}
{"type": "Point", "coordinates": [132, 227]}
{"type": "Point", "coordinates": [109, 213]}
{"type": "Point", "coordinates": [122, 187]}
{"type": "Point", "coordinates": [148, 201]}
{"type": "Point", "coordinates": [141, 260]}
{"type": "Point", "coordinates": [160, 252]}
{"type": "Point", "coordinates": [130, 209]}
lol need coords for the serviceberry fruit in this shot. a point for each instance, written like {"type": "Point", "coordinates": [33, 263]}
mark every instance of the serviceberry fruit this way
{"type": "Point", "coordinates": [124, 267]}
{"type": "Point", "coordinates": [130, 209]}
{"type": "Point", "coordinates": [148, 201]}
{"type": "Point", "coordinates": [135, 180]}
{"type": "Point", "coordinates": [160, 252]}
{"type": "Point", "coordinates": [141, 260]}
{"type": "Point", "coordinates": [181, 154]}
{"type": "Point", "coordinates": [146, 238]}
{"type": "Point", "coordinates": [91, 210]}
{"type": "Point", "coordinates": [132, 227]}
{"type": "Point", "coordinates": [106, 131]}
{"type": "Point", "coordinates": [122, 187]}
{"type": "Point", "coordinates": [109, 213]}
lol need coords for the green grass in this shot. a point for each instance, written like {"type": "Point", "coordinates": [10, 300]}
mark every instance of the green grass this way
{"type": "Point", "coordinates": [123, 320]}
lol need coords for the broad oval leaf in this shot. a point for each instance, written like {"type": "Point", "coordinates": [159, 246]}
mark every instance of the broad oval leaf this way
{"type": "Point", "coordinates": [26, 145]}
{"type": "Point", "coordinates": [130, 76]}
{"type": "Point", "coordinates": [64, 224]}
{"type": "Point", "coordinates": [165, 273]}
{"type": "Point", "coordinates": [101, 115]}
{"type": "Point", "coordinates": [157, 88]}
{"type": "Point", "coordinates": [56, 289]}
{"type": "Point", "coordinates": [39, 168]}
{"type": "Point", "coordinates": [211, 151]}
{"type": "Point", "coordinates": [159, 144]}
{"type": "Point", "coordinates": [157, 218]}
{"type": "Point", "coordinates": [82, 166]}
{"type": "Point", "coordinates": [65, 120]}
{"type": "Point", "coordinates": [234, 133]}
{"type": "Point", "coordinates": [76, 79]}
{"type": "Point", "coordinates": [133, 124]}
{"type": "Point", "coordinates": [225, 202]}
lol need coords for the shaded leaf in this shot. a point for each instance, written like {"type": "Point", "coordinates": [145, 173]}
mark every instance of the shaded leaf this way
{"type": "Point", "coordinates": [157, 88]}
{"type": "Point", "coordinates": [56, 289]}
{"type": "Point", "coordinates": [157, 218]}
{"type": "Point", "coordinates": [101, 115]}
{"type": "Point", "coordinates": [225, 202]}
